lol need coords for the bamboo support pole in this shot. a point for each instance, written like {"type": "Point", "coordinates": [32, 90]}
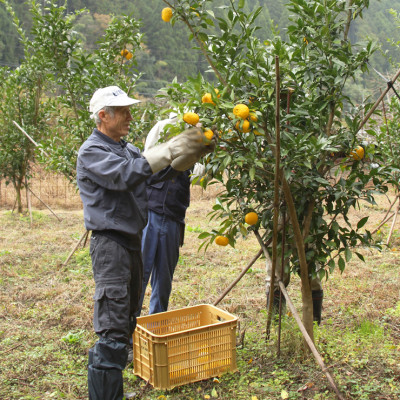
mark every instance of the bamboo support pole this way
{"type": "Point", "coordinates": [44, 204]}
{"type": "Point", "coordinates": [234, 283]}
{"type": "Point", "coordinates": [276, 195]}
{"type": "Point", "coordinates": [386, 218]}
{"type": "Point", "coordinates": [309, 341]}
{"type": "Point", "coordinates": [383, 94]}
{"type": "Point", "coordinates": [29, 137]}
{"type": "Point", "coordinates": [393, 224]}
{"type": "Point", "coordinates": [278, 351]}
{"type": "Point", "coordinates": [28, 200]}
{"type": "Point", "coordinates": [37, 145]}
{"type": "Point", "coordinates": [83, 237]}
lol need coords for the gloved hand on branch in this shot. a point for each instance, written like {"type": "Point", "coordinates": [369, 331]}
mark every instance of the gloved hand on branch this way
{"type": "Point", "coordinates": [181, 152]}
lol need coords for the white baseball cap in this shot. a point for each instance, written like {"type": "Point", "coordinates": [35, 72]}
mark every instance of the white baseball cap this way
{"type": "Point", "coordinates": [111, 96]}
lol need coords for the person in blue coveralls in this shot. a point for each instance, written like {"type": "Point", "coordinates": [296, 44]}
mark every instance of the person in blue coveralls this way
{"type": "Point", "coordinates": [164, 232]}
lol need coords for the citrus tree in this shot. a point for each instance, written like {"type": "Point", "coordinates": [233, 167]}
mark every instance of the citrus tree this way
{"type": "Point", "coordinates": [23, 89]}
{"type": "Point", "coordinates": [48, 95]}
{"type": "Point", "coordinates": [321, 178]}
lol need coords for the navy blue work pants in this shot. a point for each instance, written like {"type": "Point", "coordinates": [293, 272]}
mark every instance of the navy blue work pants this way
{"type": "Point", "coordinates": [117, 274]}
{"type": "Point", "coordinates": [160, 251]}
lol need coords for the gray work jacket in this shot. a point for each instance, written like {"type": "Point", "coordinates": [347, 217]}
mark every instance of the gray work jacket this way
{"type": "Point", "coordinates": [112, 179]}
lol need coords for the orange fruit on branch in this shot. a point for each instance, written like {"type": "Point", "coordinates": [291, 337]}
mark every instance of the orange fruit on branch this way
{"type": "Point", "coordinates": [241, 111]}
{"type": "Point", "coordinates": [245, 126]}
{"type": "Point", "coordinates": [207, 99]}
{"type": "Point", "coordinates": [191, 118]}
{"type": "Point", "coordinates": [166, 14]}
{"type": "Point", "coordinates": [208, 134]}
{"type": "Point", "coordinates": [222, 240]}
{"type": "Point", "coordinates": [127, 54]}
{"type": "Point", "coordinates": [253, 116]}
{"type": "Point", "coordinates": [251, 218]}
{"type": "Point", "coordinates": [358, 153]}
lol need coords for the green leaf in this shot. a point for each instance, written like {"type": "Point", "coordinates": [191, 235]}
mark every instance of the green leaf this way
{"type": "Point", "coordinates": [241, 4]}
{"type": "Point", "coordinates": [252, 173]}
{"type": "Point", "coordinates": [203, 235]}
{"type": "Point", "coordinates": [362, 222]}
{"type": "Point", "coordinates": [211, 13]}
{"type": "Point", "coordinates": [347, 254]}
{"type": "Point", "coordinates": [341, 264]}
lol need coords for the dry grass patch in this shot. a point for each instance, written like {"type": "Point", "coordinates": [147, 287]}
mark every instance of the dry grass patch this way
{"type": "Point", "coordinates": [46, 315]}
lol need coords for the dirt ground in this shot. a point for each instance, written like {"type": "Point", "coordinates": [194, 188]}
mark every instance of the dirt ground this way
{"type": "Point", "coordinates": [46, 314]}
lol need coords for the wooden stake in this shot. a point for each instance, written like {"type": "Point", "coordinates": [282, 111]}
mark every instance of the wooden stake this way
{"type": "Point", "coordinates": [366, 118]}
{"type": "Point", "coordinates": [28, 200]}
{"type": "Point", "coordinates": [386, 218]}
{"type": "Point", "coordinates": [29, 137]}
{"type": "Point", "coordinates": [83, 237]}
{"type": "Point", "coordinates": [233, 284]}
{"type": "Point", "coordinates": [309, 341]}
{"type": "Point", "coordinates": [393, 224]}
{"type": "Point", "coordinates": [44, 204]}
{"type": "Point", "coordinates": [276, 194]}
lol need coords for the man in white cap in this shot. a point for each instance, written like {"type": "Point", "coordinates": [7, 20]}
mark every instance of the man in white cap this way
{"type": "Point", "coordinates": [112, 176]}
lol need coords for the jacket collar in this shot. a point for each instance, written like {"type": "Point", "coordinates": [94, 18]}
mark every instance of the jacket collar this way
{"type": "Point", "coordinates": [107, 139]}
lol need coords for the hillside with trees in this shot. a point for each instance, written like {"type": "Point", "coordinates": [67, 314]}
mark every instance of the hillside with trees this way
{"type": "Point", "coordinates": [167, 53]}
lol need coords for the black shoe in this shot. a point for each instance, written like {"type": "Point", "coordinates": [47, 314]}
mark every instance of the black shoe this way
{"type": "Point", "coordinates": [317, 298]}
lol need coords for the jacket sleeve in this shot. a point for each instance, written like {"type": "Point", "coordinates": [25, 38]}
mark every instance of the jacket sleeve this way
{"type": "Point", "coordinates": [163, 175]}
{"type": "Point", "coordinates": [112, 171]}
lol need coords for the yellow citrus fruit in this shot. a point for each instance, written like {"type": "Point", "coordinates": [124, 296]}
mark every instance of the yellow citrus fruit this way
{"type": "Point", "coordinates": [166, 14]}
{"type": "Point", "coordinates": [128, 55]}
{"type": "Point", "coordinates": [217, 93]}
{"type": "Point", "coordinates": [251, 218]}
{"type": "Point", "coordinates": [253, 116]}
{"type": "Point", "coordinates": [357, 153]}
{"type": "Point", "coordinates": [222, 240]}
{"type": "Point", "coordinates": [207, 98]}
{"type": "Point", "coordinates": [191, 118]}
{"type": "Point", "coordinates": [241, 111]}
{"type": "Point", "coordinates": [208, 134]}
{"type": "Point", "coordinates": [124, 52]}
{"type": "Point", "coordinates": [245, 126]}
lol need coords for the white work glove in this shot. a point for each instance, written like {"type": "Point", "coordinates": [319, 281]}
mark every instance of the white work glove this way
{"type": "Point", "coordinates": [186, 161]}
{"type": "Point", "coordinates": [191, 144]}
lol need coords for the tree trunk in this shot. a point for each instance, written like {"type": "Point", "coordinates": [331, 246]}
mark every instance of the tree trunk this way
{"type": "Point", "coordinates": [305, 281]}
{"type": "Point", "coordinates": [17, 186]}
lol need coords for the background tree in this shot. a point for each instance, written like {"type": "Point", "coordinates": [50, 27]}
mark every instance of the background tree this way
{"type": "Point", "coordinates": [23, 90]}
{"type": "Point", "coordinates": [167, 53]}
{"type": "Point", "coordinates": [48, 94]}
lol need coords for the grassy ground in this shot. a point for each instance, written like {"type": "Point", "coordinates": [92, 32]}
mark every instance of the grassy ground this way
{"type": "Point", "coordinates": [46, 316]}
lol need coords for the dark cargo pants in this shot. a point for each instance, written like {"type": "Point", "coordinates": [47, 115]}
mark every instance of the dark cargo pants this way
{"type": "Point", "coordinates": [118, 274]}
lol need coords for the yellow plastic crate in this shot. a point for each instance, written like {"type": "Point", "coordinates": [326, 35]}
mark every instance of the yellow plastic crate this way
{"type": "Point", "coordinates": [186, 345]}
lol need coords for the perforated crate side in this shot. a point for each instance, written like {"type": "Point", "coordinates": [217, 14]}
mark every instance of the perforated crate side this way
{"type": "Point", "coordinates": [185, 351]}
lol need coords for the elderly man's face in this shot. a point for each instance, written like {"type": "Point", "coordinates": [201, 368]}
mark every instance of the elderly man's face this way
{"type": "Point", "coordinates": [117, 126]}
